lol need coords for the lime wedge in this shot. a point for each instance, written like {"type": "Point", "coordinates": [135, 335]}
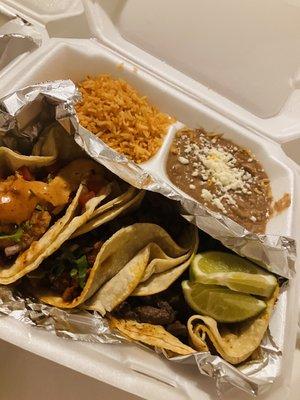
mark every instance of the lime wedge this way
{"type": "Point", "coordinates": [237, 273]}
{"type": "Point", "coordinates": [220, 303]}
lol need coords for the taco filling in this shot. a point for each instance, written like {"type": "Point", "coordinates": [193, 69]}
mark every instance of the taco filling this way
{"type": "Point", "coordinates": [67, 272]}
{"type": "Point", "coordinates": [167, 309]}
{"type": "Point", "coordinates": [133, 244]}
{"type": "Point", "coordinates": [31, 200]}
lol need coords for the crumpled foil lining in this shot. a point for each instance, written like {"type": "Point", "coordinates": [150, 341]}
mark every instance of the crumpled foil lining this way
{"type": "Point", "coordinates": [17, 36]}
{"type": "Point", "coordinates": [23, 115]}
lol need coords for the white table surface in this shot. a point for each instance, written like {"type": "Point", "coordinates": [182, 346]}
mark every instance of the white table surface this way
{"type": "Point", "coordinates": [25, 376]}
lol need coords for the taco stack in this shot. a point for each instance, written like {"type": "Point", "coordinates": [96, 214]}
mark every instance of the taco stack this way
{"type": "Point", "coordinates": [81, 238]}
{"type": "Point", "coordinates": [133, 269]}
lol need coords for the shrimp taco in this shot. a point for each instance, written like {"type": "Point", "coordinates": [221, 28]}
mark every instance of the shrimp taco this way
{"type": "Point", "coordinates": [43, 203]}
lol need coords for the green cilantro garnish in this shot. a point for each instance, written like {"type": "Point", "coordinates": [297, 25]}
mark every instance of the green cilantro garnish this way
{"type": "Point", "coordinates": [73, 272]}
{"type": "Point", "coordinates": [82, 266]}
{"type": "Point", "coordinates": [16, 236]}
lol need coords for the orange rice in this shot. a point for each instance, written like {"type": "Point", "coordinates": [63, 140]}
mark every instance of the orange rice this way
{"type": "Point", "coordinates": [115, 112]}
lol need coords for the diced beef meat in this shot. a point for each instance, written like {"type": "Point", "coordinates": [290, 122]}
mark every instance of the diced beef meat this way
{"type": "Point", "coordinates": [60, 277]}
{"type": "Point", "coordinates": [167, 308]}
{"type": "Point", "coordinates": [71, 293]}
{"type": "Point", "coordinates": [177, 329]}
{"type": "Point", "coordinates": [159, 314]}
{"type": "Point", "coordinates": [65, 285]}
{"type": "Point", "coordinates": [59, 283]}
{"type": "Point", "coordinates": [162, 314]}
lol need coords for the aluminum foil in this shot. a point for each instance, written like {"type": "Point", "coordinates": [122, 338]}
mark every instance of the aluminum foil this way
{"type": "Point", "coordinates": [23, 115]}
{"type": "Point", "coordinates": [20, 123]}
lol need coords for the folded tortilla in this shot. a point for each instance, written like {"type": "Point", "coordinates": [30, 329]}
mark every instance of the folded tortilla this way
{"type": "Point", "coordinates": [234, 342]}
{"type": "Point", "coordinates": [10, 161]}
{"type": "Point", "coordinates": [112, 209]}
{"type": "Point", "coordinates": [68, 179]}
{"type": "Point", "coordinates": [160, 256]}
{"type": "Point", "coordinates": [57, 142]}
{"type": "Point", "coordinates": [151, 335]}
{"type": "Point", "coordinates": [120, 265]}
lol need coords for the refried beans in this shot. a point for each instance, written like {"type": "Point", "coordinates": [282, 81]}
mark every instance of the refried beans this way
{"type": "Point", "coordinates": [221, 175]}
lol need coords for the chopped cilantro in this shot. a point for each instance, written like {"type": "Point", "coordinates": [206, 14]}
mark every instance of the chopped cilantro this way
{"type": "Point", "coordinates": [82, 266]}
{"type": "Point", "coordinates": [73, 272]}
{"type": "Point", "coordinates": [16, 236]}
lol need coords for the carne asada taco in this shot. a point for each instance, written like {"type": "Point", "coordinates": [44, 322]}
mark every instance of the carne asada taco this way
{"type": "Point", "coordinates": [147, 319]}
{"type": "Point", "coordinates": [232, 321]}
{"type": "Point", "coordinates": [38, 204]}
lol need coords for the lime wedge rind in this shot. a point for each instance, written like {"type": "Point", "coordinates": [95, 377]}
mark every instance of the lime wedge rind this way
{"type": "Point", "coordinates": [221, 303]}
{"type": "Point", "coordinates": [224, 273]}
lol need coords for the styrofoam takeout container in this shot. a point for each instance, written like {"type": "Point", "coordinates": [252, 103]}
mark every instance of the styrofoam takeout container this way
{"type": "Point", "coordinates": [61, 18]}
{"type": "Point", "coordinates": [195, 105]}
{"type": "Point", "coordinates": [11, 23]}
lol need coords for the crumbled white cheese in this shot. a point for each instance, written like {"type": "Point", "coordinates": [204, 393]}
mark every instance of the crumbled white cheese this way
{"type": "Point", "coordinates": [217, 164]}
{"type": "Point", "coordinates": [183, 160]}
{"type": "Point", "coordinates": [207, 195]}
{"type": "Point", "coordinates": [253, 218]}
{"type": "Point", "coordinates": [188, 149]}
{"type": "Point", "coordinates": [217, 202]}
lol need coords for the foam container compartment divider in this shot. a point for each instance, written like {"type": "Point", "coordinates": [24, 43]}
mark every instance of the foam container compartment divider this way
{"type": "Point", "coordinates": [124, 366]}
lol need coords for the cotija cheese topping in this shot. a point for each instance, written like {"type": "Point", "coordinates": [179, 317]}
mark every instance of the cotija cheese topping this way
{"type": "Point", "coordinates": [126, 121]}
{"type": "Point", "coordinates": [221, 175]}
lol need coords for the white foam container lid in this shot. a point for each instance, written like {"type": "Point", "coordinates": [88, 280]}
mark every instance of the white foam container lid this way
{"type": "Point", "coordinates": [241, 58]}
{"type": "Point", "coordinates": [9, 24]}
{"type": "Point", "coordinates": [196, 105]}
{"type": "Point", "coordinates": [46, 11]}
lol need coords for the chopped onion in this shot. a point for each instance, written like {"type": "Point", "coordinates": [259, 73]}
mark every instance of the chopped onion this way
{"type": "Point", "coordinates": [12, 250]}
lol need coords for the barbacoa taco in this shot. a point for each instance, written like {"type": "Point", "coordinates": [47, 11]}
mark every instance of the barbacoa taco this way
{"type": "Point", "coordinates": [129, 251]}
{"type": "Point", "coordinates": [102, 268]}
